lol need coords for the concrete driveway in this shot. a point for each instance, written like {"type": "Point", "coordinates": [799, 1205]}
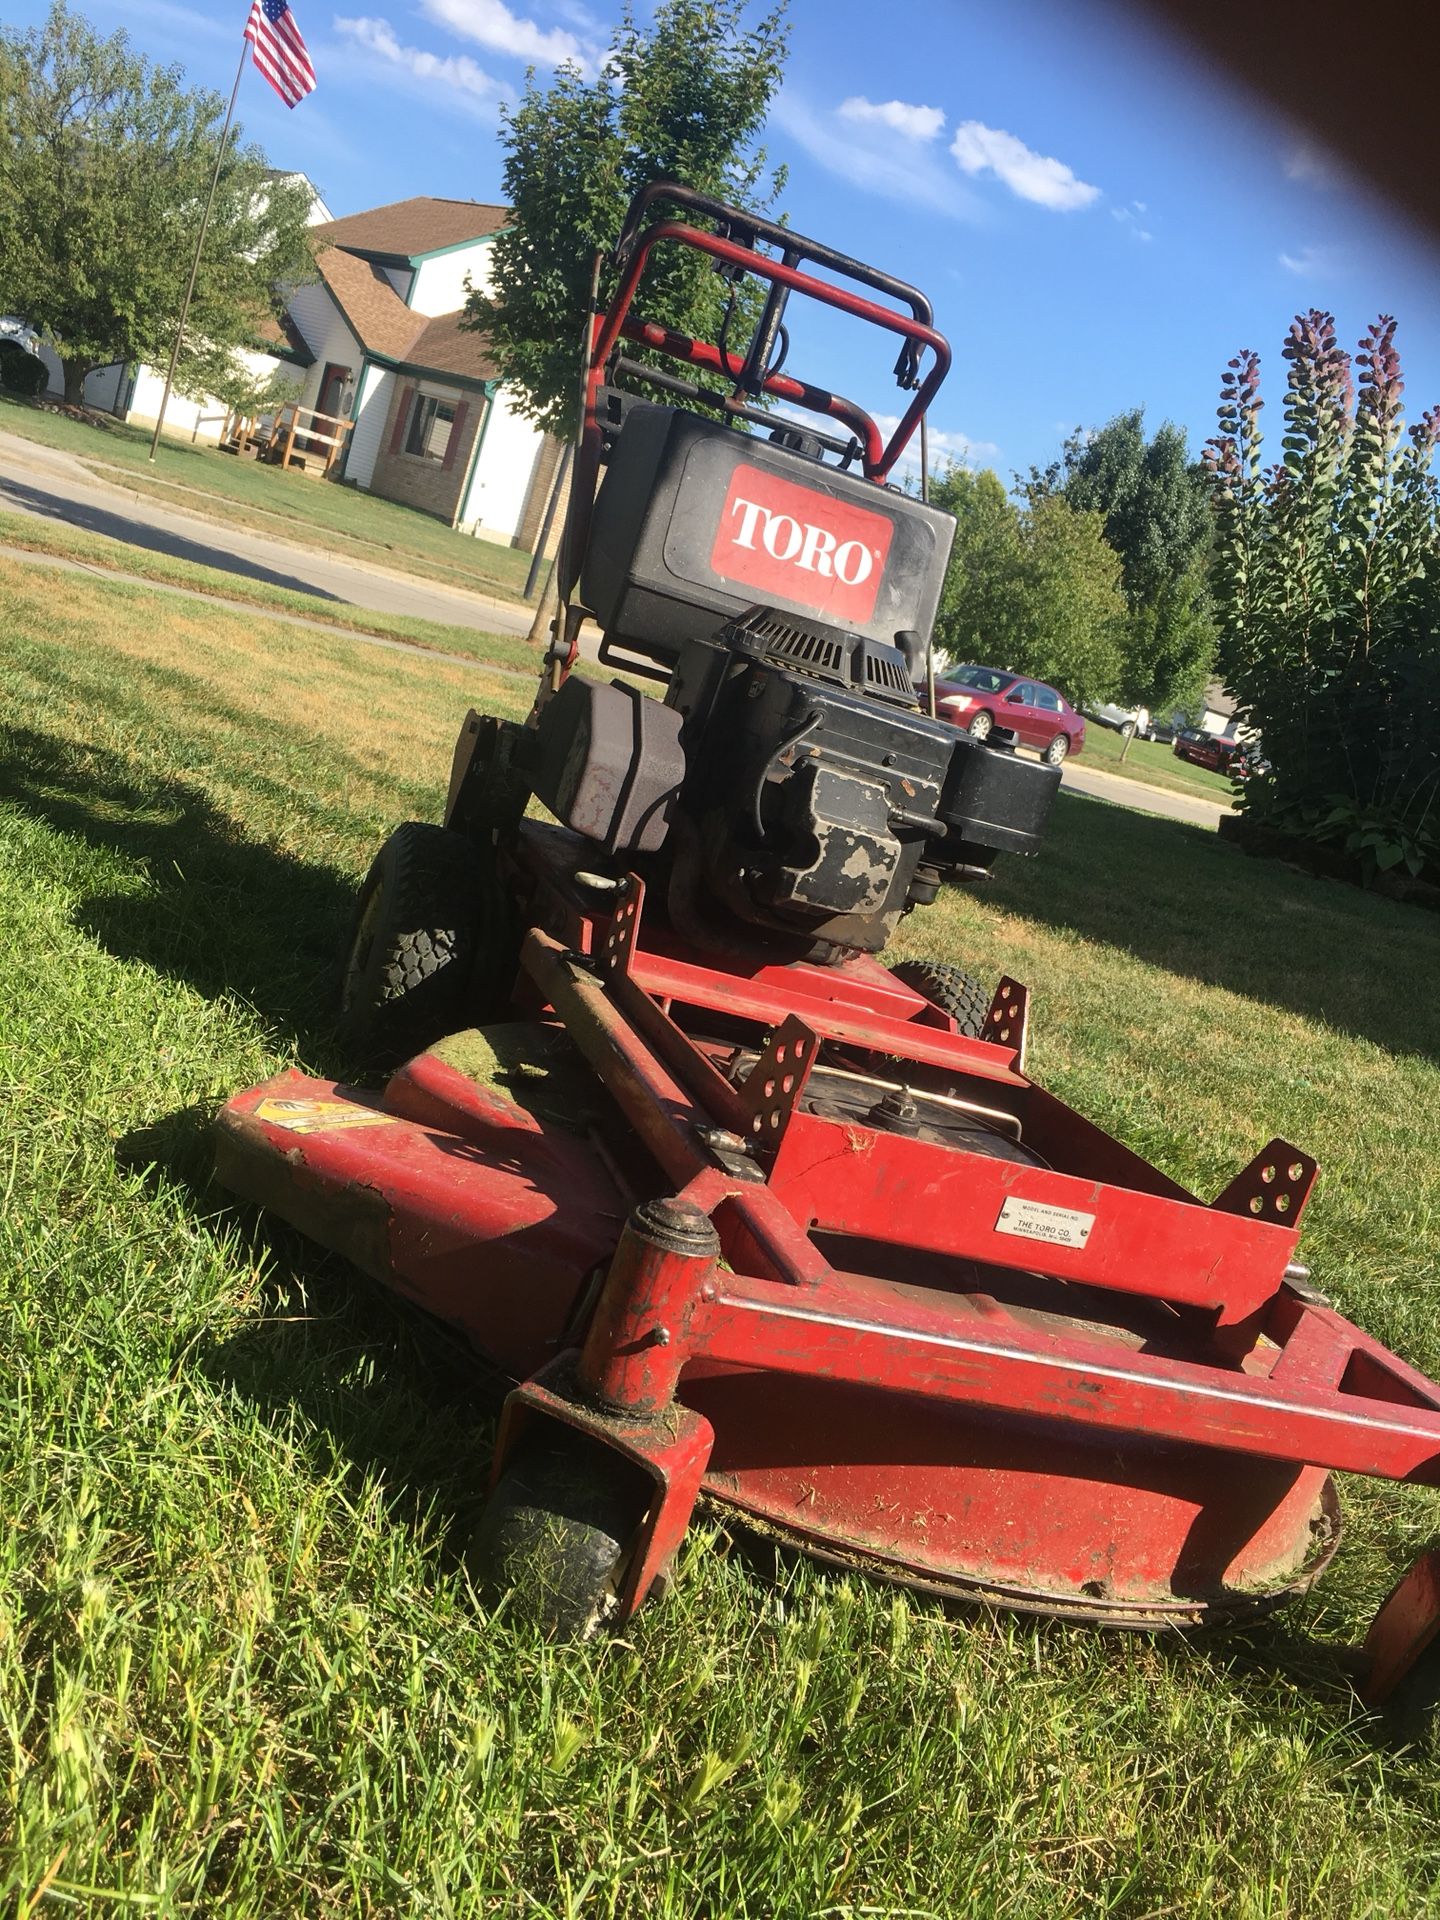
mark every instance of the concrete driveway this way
{"type": "Point", "coordinates": [52, 485]}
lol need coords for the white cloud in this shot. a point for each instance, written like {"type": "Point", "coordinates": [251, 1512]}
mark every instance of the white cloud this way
{"type": "Point", "coordinates": [1049, 183]}
{"type": "Point", "coordinates": [912, 123]}
{"type": "Point", "coordinates": [944, 448]}
{"type": "Point", "coordinates": [864, 154]}
{"type": "Point", "coordinates": [1132, 219]}
{"type": "Point", "coordinates": [1312, 164]}
{"type": "Point", "coordinates": [1309, 262]}
{"type": "Point", "coordinates": [490, 23]}
{"type": "Point", "coordinates": [457, 72]}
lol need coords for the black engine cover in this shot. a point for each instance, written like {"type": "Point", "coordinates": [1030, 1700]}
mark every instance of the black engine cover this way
{"type": "Point", "coordinates": [695, 522]}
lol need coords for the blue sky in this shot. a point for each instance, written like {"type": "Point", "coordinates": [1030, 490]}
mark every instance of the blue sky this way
{"type": "Point", "coordinates": [1099, 220]}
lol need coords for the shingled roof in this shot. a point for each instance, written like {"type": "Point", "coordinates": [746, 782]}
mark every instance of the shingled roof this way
{"type": "Point", "coordinates": [385, 326]}
{"type": "Point", "coordinates": [407, 229]}
{"type": "Point", "coordinates": [278, 334]}
{"type": "Point", "coordinates": [445, 347]}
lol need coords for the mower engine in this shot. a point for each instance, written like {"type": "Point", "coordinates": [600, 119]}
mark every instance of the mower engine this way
{"type": "Point", "coordinates": [790, 782]}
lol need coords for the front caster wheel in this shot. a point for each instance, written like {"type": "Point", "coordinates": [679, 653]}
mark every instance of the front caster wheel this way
{"type": "Point", "coordinates": [557, 1533]}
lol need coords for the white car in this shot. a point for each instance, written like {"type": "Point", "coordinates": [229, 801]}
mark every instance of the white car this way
{"type": "Point", "coordinates": [1119, 718]}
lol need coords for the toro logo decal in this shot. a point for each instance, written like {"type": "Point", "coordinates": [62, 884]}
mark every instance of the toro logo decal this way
{"type": "Point", "coordinates": [822, 553]}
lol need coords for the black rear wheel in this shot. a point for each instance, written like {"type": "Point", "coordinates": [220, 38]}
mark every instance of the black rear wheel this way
{"type": "Point", "coordinates": [433, 946]}
{"type": "Point", "coordinates": [950, 988]}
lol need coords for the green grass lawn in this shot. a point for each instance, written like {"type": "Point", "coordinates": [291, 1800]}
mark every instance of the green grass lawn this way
{"type": "Point", "coordinates": [241, 1669]}
{"type": "Point", "coordinates": [55, 537]}
{"type": "Point", "coordinates": [1151, 763]}
{"type": "Point", "coordinates": [316, 513]}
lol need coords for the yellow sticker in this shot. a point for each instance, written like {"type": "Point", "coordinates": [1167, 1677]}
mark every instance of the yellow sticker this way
{"type": "Point", "coordinates": [320, 1116]}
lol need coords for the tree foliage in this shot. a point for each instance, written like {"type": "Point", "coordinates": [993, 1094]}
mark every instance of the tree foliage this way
{"type": "Point", "coordinates": [1153, 499]}
{"type": "Point", "coordinates": [105, 161]}
{"type": "Point", "coordinates": [685, 96]}
{"type": "Point", "coordinates": [1327, 581]}
{"type": "Point", "coordinates": [1036, 588]}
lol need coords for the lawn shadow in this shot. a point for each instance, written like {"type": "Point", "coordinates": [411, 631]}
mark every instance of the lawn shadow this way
{"type": "Point", "coordinates": [1179, 897]}
{"type": "Point", "coordinates": [226, 914]}
{"type": "Point", "coordinates": [387, 1394]}
{"type": "Point", "coordinates": [136, 531]}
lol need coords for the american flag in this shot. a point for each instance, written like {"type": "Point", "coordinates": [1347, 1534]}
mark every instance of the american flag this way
{"type": "Point", "coordinates": [280, 53]}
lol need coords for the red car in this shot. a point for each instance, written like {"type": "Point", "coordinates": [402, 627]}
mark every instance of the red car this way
{"type": "Point", "coordinates": [1220, 752]}
{"type": "Point", "coordinates": [978, 699]}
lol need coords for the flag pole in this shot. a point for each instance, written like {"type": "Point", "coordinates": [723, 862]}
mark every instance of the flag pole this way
{"type": "Point", "coordinates": [199, 244]}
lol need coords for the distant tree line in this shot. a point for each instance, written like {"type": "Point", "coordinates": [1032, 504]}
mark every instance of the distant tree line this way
{"type": "Point", "coordinates": [1094, 576]}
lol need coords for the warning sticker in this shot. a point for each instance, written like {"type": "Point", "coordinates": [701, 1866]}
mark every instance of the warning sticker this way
{"type": "Point", "coordinates": [1033, 1220]}
{"type": "Point", "coordinates": [320, 1116]}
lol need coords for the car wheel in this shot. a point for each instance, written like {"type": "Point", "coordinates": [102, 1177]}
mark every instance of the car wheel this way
{"type": "Point", "coordinates": [1057, 750]}
{"type": "Point", "coordinates": [981, 726]}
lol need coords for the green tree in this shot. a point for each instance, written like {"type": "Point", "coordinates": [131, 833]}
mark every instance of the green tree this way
{"type": "Point", "coordinates": [1154, 502]}
{"type": "Point", "coordinates": [1034, 587]}
{"type": "Point", "coordinates": [977, 600]}
{"type": "Point", "coordinates": [1327, 587]}
{"type": "Point", "coordinates": [685, 96]}
{"type": "Point", "coordinates": [105, 161]}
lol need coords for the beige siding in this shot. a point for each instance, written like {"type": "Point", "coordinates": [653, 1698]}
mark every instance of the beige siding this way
{"type": "Point", "coordinates": [498, 493]}
{"type": "Point", "coordinates": [372, 408]}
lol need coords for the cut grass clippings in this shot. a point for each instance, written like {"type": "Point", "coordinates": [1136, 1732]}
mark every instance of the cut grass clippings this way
{"type": "Point", "coordinates": [54, 537]}
{"type": "Point", "coordinates": [325, 514]}
{"type": "Point", "coordinates": [241, 1669]}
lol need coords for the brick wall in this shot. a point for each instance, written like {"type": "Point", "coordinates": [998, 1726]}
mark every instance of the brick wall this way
{"type": "Point", "coordinates": [535, 501]}
{"type": "Point", "coordinates": [435, 486]}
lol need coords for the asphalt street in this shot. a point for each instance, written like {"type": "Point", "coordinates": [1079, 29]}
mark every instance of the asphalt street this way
{"type": "Point", "coordinates": [1096, 784]}
{"type": "Point", "coordinates": [53, 485]}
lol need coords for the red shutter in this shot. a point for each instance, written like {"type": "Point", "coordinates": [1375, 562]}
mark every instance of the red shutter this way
{"type": "Point", "coordinates": [402, 419]}
{"type": "Point", "coordinates": [457, 427]}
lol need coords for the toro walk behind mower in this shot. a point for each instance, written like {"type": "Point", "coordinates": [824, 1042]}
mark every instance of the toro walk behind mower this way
{"type": "Point", "coordinates": [737, 1209]}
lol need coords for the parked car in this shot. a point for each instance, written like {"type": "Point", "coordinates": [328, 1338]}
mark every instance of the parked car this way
{"type": "Point", "coordinates": [22, 371]}
{"type": "Point", "coordinates": [979, 699]}
{"type": "Point", "coordinates": [1119, 718]}
{"type": "Point", "coordinates": [1241, 759]}
{"type": "Point", "coordinates": [1203, 749]}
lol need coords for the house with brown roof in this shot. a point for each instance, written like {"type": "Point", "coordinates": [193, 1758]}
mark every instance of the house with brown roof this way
{"type": "Point", "coordinates": [384, 346]}
{"type": "Point", "coordinates": [376, 338]}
